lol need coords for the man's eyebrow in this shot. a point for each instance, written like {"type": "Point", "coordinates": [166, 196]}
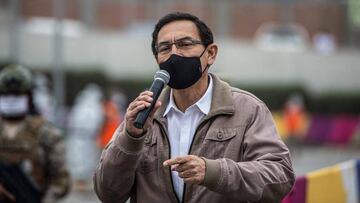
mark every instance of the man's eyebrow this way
{"type": "Point", "coordinates": [184, 38]}
{"type": "Point", "coordinates": [164, 42]}
{"type": "Point", "coordinates": [180, 39]}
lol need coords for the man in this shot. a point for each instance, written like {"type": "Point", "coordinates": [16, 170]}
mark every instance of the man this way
{"type": "Point", "coordinates": [204, 142]}
{"type": "Point", "coordinates": [32, 167]}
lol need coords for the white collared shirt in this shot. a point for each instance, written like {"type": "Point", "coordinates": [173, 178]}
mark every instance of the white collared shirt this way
{"type": "Point", "coordinates": [181, 127]}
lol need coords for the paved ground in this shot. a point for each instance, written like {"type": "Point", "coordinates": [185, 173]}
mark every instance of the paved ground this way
{"type": "Point", "coordinates": [304, 160]}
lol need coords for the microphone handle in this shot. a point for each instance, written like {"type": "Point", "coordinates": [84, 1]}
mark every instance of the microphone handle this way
{"type": "Point", "coordinates": [141, 117]}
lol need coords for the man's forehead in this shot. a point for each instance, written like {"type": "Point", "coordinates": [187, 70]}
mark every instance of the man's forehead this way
{"type": "Point", "coordinates": [177, 30]}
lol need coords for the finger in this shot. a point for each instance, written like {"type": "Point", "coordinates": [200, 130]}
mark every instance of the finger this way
{"type": "Point", "coordinates": [156, 107]}
{"type": "Point", "coordinates": [174, 166]}
{"type": "Point", "coordinates": [139, 103]}
{"type": "Point", "coordinates": [131, 114]}
{"type": "Point", "coordinates": [178, 160]}
{"type": "Point", "coordinates": [135, 104]}
{"type": "Point", "coordinates": [190, 180]}
{"type": "Point", "coordinates": [135, 109]}
{"type": "Point", "coordinates": [187, 174]}
{"type": "Point", "coordinates": [145, 98]}
{"type": "Point", "coordinates": [151, 116]}
{"type": "Point", "coordinates": [131, 106]}
{"type": "Point", "coordinates": [169, 162]}
{"type": "Point", "coordinates": [182, 175]}
{"type": "Point", "coordinates": [183, 167]}
{"type": "Point", "coordinates": [145, 93]}
{"type": "Point", "coordinates": [147, 104]}
{"type": "Point", "coordinates": [142, 96]}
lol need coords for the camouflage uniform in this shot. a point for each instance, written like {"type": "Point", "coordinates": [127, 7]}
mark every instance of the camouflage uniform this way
{"type": "Point", "coordinates": [39, 150]}
{"type": "Point", "coordinates": [33, 154]}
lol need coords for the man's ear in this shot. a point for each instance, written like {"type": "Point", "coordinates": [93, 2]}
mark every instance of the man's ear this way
{"type": "Point", "coordinates": [212, 53]}
{"type": "Point", "coordinates": [156, 59]}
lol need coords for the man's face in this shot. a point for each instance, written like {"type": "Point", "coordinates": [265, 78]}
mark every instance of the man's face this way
{"type": "Point", "coordinates": [184, 32]}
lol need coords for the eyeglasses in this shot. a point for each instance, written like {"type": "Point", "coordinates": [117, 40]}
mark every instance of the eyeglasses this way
{"type": "Point", "coordinates": [182, 45]}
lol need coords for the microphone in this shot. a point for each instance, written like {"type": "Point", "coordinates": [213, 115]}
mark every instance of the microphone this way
{"type": "Point", "coordinates": [161, 78]}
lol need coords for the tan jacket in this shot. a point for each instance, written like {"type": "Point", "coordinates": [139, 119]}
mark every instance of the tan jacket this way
{"type": "Point", "coordinates": [246, 161]}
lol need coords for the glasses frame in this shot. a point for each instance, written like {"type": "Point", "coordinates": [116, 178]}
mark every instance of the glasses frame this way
{"type": "Point", "coordinates": [176, 43]}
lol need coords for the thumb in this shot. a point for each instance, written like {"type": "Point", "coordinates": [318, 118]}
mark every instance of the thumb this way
{"type": "Point", "coordinates": [156, 107]}
{"type": "Point", "coordinates": [151, 116]}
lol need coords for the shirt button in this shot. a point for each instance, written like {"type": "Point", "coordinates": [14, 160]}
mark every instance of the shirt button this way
{"type": "Point", "coordinates": [219, 135]}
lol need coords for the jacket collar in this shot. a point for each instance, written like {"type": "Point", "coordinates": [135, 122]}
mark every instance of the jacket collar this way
{"type": "Point", "coordinates": [221, 102]}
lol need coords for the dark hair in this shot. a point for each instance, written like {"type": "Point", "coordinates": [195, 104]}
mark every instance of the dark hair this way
{"type": "Point", "coordinates": [205, 33]}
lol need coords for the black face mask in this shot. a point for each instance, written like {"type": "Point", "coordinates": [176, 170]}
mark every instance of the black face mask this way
{"type": "Point", "coordinates": [184, 71]}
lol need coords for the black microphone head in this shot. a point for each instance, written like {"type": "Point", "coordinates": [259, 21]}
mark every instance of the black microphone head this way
{"type": "Point", "coordinates": [162, 75]}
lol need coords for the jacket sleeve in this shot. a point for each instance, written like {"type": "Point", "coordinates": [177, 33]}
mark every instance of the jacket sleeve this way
{"type": "Point", "coordinates": [59, 178]}
{"type": "Point", "coordinates": [265, 173]}
{"type": "Point", "coordinates": [115, 174]}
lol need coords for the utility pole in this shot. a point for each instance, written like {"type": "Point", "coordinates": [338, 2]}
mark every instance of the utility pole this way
{"type": "Point", "coordinates": [14, 32]}
{"type": "Point", "coordinates": [58, 63]}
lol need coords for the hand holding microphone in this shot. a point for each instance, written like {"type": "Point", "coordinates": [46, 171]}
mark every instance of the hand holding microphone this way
{"type": "Point", "coordinates": [144, 106]}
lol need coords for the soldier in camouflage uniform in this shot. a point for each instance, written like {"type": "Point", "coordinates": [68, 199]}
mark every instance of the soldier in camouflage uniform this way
{"type": "Point", "coordinates": [32, 153]}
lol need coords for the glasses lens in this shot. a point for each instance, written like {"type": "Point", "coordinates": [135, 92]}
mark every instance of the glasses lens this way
{"type": "Point", "coordinates": [181, 45]}
{"type": "Point", "coordinates": [164, 48]}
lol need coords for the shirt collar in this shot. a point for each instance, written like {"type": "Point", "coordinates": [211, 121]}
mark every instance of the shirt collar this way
{"type": "Point", "coordinates": [204, 103]}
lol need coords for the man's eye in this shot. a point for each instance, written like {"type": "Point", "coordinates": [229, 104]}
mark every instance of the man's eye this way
{"type": "Point", "coordinates": [164, 48]}
{"type": "Point", "coordinates": [184, 43]}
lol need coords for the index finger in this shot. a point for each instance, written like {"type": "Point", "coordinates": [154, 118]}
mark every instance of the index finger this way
{"type": "Point", "coordinates": [177, 160]}
{"type": "Point", "coordinates": [146, 92]}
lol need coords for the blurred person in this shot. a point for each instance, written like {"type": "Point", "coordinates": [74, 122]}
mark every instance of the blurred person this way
{"type": "Point", "coordinates": [84, 124]}
{"type": "Point", "coordinates": [32, 166]}
{"type": "Point", "coordinates": [43, 99]}
{"type": "Point", "coordinates": [295, 119]}
{"type": "Point", "coordinates": [205, 141]}
{"type": "Point", "coordinates": [112, 119]}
